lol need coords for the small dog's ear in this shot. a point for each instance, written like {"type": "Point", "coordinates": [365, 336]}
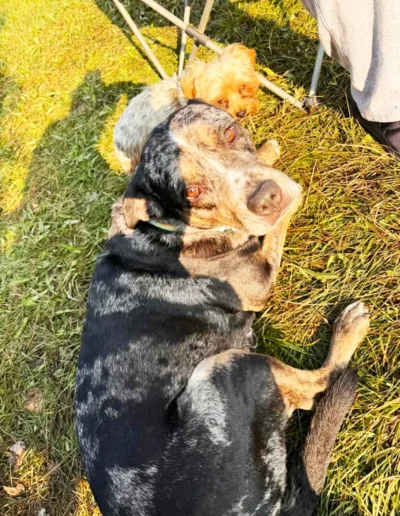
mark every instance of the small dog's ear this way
{"type": "Point", "coordinates": [240, 51]}
{"type": "Point", "coordinates": [188, 83]}
{"type": "Point", "coordinates": [192, 77]}
{"type": "Point", "coordinates": [252, 55]}
{"type": "Point", "coordinates": [135, 210]}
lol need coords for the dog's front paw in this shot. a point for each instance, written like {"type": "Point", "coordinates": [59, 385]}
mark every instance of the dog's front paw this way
{"type": "Point", "coordinates": [269, 152]}
{"type": "Point", "coordinates": [349, 331]}
{"type": "Point", "coordinates": [354, 320]}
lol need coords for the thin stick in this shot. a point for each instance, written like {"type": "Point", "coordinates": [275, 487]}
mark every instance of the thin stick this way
{"type": "Point", "coordinates": [202, 27]}
{"type": "Point", "coordinates": [201, 39]}
{"type": "Point", "coordinates": [186, 19]}
{"type": "Point", "coordinates": [138, 34]}
{"type": "Point", "coordinates": [311, 100]}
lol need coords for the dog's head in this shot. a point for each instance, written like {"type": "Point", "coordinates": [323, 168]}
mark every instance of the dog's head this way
{"type": "Point", "coordinates": [229, 81]}
{"type": "Point", "coordinates": [199, 171]}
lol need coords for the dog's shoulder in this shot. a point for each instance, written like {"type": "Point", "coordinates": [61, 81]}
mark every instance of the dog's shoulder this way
{"type": "Point", "coordinates": [143, 113]}
{"type": "Point", "coordinates": [161, 95]}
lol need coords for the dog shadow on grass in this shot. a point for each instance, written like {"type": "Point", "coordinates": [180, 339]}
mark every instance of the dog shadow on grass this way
{"type": "Point", "coordinates": [280, 48]}
{"type": "Point", "coordinates": [61, 226]}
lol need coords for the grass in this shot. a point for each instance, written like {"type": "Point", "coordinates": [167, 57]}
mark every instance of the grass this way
{"type": "Point", "coordinates": [67, 70]}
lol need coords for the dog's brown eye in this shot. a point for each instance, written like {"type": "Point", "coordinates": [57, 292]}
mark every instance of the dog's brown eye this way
{"type": "Point", "coordinates": [193, 192]}
{"type": "Point", "coordinates": [223, 103]}
{"type": "Point", "coordinates": [229, 135]}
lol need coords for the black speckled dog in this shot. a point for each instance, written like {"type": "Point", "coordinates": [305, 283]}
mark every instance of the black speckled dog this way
{"type": "Point", "coordinates": [175, 414]}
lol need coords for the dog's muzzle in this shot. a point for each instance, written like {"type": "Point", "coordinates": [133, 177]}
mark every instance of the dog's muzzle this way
{"type": "Point", "coordinates": [266, 200]}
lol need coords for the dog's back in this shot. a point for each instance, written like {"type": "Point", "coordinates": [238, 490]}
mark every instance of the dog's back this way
{"type": "Point", "coordinates": [150, 435]}
{"type": "Point", "coordinates": [165, 430]}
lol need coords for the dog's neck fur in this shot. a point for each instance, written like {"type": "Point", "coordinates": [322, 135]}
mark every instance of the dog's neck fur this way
{"type": "Point", "coordinates": [234, 258]}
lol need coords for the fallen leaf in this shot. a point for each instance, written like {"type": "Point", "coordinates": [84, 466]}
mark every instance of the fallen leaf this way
{"type": "Point", "coordinates": [18, 448]}
{"type": "Point", "coordinates": [14, 491]}
{"type": "Point", "coordinates": [34, 401]}
{"type": "Point", "coordinates": [92, 196]}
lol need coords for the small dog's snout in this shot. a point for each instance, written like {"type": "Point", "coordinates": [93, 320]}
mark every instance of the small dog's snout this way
{"type": "Point", "coordinates": [241, 114]}
{"type": "Point", "coordinates": [266, 199]}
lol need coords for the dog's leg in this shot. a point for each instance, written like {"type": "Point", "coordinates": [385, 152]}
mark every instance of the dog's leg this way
{"type": "Point", "coordinates": [309, 467]}
{"type": "Point", "coordinates": [269, 152]}
{"type": "Point", "coordinates": [241, 401]}
{"type": "Point", "coordinates": [299, 388]}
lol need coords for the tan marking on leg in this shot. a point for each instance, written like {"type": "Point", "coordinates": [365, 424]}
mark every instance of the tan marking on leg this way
{"type": "Point", "coordinates": [299, 388]}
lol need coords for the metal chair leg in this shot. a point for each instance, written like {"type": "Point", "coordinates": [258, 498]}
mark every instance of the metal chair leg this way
{"type": "Point", "coordinates": [311, 100]}
{"type": "Point", "coordinates": [186, 19]}
{"type": "Point", "coordinates": [202, 27]}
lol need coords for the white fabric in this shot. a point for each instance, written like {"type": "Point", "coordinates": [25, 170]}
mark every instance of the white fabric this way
{"type": "Point", "coordinates": [364, 36]}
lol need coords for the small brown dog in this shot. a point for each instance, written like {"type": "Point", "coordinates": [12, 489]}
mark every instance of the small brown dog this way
{"type": "Point", "coordinates": [229, 81]}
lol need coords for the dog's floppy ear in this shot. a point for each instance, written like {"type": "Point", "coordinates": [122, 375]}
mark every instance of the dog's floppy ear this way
{"type": "Point", "coordinates": [252, 55]}
{"type": "Point", "coordinates": [240, 51]}
{"type": "Point", "coordinates": [134, 206]}
{"type": "Point", "coordinates": [188, 83]}
{"type": "Point", "coordinates": [135, 210]}
{"type": "Point", "coordinates": [192, 77]}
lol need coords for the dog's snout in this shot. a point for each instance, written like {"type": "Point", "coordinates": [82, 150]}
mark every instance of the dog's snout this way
{"type": "Point", "coordinates": [241, 114]}
{"type": "Point", "coordinates": [266, 199]}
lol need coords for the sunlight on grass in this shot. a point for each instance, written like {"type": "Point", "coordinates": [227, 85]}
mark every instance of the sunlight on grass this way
{"type": "Point", "coordinates": [85, 503]}
{"type": "Point", "coordinates": [48, 62]}
{"type": "Point", "coordinates": [67, 70]}
{"type": "Point", "coordinates": [105, 145]}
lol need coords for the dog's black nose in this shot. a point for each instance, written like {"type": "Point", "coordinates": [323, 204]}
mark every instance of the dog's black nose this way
{"type": "Point", "coordinates": [266, 199]}
{"type": "Point", "coordinates": [241, 114]}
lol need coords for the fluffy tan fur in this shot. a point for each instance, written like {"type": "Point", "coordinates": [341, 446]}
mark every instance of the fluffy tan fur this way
{"type": "Point", "coordinates": [229, 82]}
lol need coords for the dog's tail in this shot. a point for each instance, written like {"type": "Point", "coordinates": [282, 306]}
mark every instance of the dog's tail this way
{"type": "Point", "coordinates": [306, 475]}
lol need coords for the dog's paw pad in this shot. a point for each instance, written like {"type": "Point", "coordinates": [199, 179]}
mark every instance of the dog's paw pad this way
{"type": "Point", "coordinates": [269, 152]}
{"type": "Point", "coordinates": [274, 145]}
{"type": "Point", "coordinates": [354, 318]}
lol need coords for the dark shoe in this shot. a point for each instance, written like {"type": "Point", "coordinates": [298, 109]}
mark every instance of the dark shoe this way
{"type": "Point", "coordinates": [387, 134]}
